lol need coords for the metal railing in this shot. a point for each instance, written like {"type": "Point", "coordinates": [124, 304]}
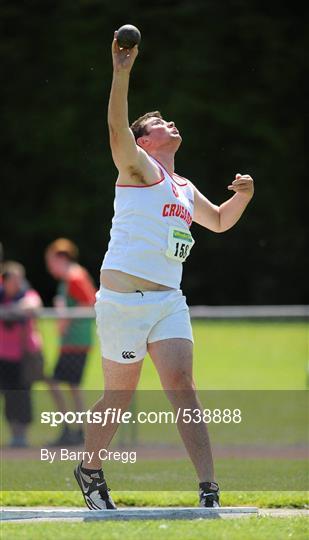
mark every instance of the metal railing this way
{"type": "Point", "coordinates": [196, 312]}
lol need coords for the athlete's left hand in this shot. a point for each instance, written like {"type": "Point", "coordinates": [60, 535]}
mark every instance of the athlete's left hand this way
{"type": "Point", "coordinates": [243, 184]}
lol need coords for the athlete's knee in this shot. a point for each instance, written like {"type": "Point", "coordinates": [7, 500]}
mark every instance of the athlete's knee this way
{"type": "Point", "coordinates": [179, 379]}
{"type": "Point", "coordinates": [114, 399]}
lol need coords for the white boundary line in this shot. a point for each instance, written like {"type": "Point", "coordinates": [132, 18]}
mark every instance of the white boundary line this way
{"type": "Point", "coordinates": [77, 514]}
{"type": "Point", "coordinates": [52, 514]}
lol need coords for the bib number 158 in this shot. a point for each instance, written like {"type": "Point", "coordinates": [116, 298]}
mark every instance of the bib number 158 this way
{"type": "Point", "coordinates": [180, 242]}
{"type": "Point", "coordinates": [182, 250]}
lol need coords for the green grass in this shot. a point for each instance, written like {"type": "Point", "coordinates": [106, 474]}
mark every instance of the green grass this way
{"type": "Point", "coordinates": [228, 355]}
{"type": "Point", "coordinates": [261, 499]}
{"type": "Point", "coordinates": [254, 528]}
{"type": "Point", "coordinates": [232, 474]}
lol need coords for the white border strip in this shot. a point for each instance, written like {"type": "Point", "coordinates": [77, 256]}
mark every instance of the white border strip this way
{"type": "Point", "coordinates": [127, 513]}
{"type": "Point", "coordinates": [248, 312]}
{"type": "Point", "coordinates": [196, 312]}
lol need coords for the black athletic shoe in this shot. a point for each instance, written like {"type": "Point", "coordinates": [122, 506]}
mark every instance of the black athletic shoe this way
{"type": "Point", "coordinates": [94, 489]}
{"type": "Point", "coordinates": [209, 495]}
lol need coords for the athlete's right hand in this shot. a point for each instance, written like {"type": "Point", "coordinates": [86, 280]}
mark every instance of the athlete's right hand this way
{"type": "Point", "coordinates": [123, 59]}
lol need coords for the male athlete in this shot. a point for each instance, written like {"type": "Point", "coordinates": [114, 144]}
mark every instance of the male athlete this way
{"type": "Point", "coordinates": [140, 306]}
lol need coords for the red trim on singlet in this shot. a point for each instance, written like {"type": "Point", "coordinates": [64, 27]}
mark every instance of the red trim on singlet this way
{"type": "Point", "coordinates": [171, 175]}
{"type": "Point", "coordinates": [148, 185]}
{"type": "Point", "coordinates": [186, 181]}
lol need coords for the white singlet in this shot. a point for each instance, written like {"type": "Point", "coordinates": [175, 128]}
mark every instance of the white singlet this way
{"type": "Point", "coordinates": [150, 234]}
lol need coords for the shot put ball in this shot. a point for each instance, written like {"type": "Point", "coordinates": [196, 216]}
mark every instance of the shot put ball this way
{"type": "Point", "coordinates": [128, 36]}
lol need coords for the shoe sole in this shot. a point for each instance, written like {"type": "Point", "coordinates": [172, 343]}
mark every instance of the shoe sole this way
{"type": "Point", "coordinates": [81, 488]}
{"type": "Point", "coordinates": [88, 503]}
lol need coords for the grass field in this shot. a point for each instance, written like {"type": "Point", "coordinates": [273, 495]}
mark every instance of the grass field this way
{"type": "Point", "coordinates": [157, 475]}
{"type": "Point", "coordinates": [261, 499]}
{"type": "Point", "coordinates": [229, 355]}
{"type": "Point", "coordinates": [255, 528]}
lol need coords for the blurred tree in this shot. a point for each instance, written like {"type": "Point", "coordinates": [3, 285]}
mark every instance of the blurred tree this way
{"type": "Point", "coordinates": [230, 74]}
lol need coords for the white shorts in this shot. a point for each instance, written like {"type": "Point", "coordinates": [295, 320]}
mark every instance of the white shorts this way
{"type": "Point", "coordinates": [127, 322]}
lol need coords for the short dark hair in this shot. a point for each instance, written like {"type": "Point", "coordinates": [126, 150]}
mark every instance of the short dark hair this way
{"type": "Point", "coordinates": [139, 126]}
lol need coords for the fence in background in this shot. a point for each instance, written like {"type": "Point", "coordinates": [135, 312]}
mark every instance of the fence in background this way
{"type": "Point", "coordinates": [196, 312]}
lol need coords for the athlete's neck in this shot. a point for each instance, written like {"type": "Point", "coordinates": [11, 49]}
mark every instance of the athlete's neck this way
{"type": "Point", "coordinates": [167, 159]}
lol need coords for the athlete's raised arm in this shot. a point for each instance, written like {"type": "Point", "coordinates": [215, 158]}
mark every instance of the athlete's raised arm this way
{"type": "Point", "coordinates": [129, 158]}
{"type": "Point", "coordinates": [223, 217]}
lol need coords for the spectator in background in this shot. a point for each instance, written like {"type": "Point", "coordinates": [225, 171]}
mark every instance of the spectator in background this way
{"type": "Point", "coordinates": [18, 336]}
{"type": "Point", "coordinates": [1, 261]}
{"type": "Point", "coordinates": [75, 288]}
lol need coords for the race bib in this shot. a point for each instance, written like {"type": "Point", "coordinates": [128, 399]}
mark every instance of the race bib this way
{"type": "Point", "coordinates": [180, 242]}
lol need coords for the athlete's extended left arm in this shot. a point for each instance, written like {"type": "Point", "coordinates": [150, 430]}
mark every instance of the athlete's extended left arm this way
{"type": "Point", "coordinates": [223, 217]}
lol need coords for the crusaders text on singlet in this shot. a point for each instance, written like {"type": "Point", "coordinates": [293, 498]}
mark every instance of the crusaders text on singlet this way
{"type": "Point", "coordinates": [150, 235]}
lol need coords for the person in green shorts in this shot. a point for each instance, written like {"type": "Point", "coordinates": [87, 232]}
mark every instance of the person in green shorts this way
{"type": "Point", "coordinates": [75, 289]}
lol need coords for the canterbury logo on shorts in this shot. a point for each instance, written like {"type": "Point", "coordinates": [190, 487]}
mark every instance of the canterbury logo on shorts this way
{"type": "Point", "coordinates": [128, 354]}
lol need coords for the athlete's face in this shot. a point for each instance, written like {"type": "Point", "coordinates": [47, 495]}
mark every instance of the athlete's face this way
{"type": "Point", "coordinates": [160, 133]}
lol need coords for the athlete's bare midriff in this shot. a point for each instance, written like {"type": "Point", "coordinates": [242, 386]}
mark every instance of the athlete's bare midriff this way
{"type": "Point", "coordinates": [126, 283]}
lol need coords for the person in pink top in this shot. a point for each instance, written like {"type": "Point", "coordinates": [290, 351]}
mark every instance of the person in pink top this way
{"type": "Point", "coordinates": [18, 335]}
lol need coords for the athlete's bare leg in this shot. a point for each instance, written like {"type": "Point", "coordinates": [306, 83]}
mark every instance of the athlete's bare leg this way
{"type": "Point", "coordinates": [120, 381]}
{"type": "Point", "coordinates": [173, 361]}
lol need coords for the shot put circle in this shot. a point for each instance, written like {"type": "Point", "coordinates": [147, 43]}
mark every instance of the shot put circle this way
{"type": "Point", "coordinates": [128, 36]}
